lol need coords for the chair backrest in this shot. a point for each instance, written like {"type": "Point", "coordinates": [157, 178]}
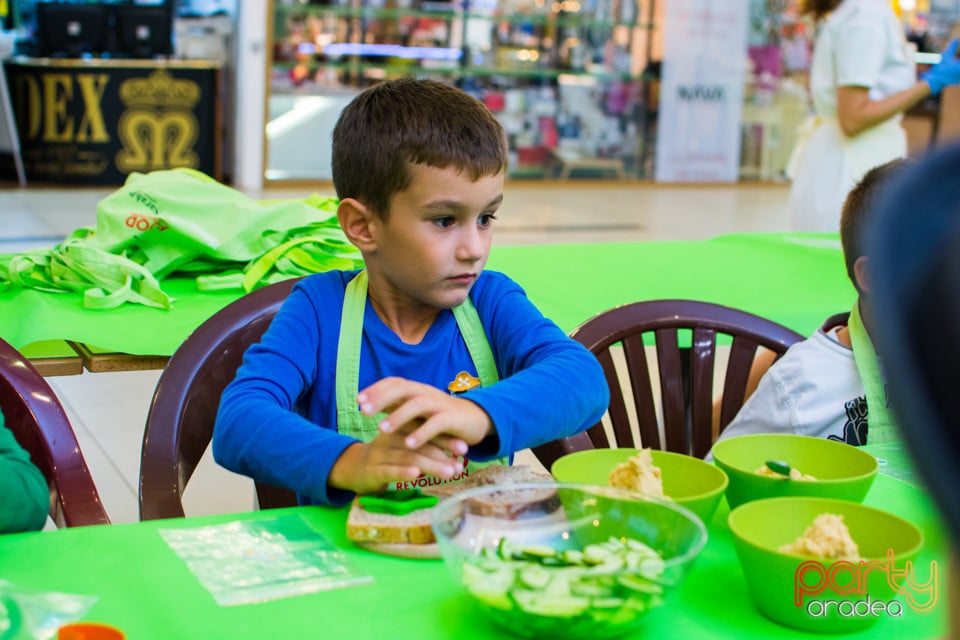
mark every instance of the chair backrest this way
{"type": "Point", "coordinates": [40, 425]}
{"type": "Point", "coordinates": [684, 335]}
{"type": "Point", "coordinates": [180, 422]}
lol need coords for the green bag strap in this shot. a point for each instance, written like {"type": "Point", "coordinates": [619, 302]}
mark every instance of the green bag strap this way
{"type": "Point", "coordinates": [105, 279]}
{"type": "Point", "coordinates": [296, 249]}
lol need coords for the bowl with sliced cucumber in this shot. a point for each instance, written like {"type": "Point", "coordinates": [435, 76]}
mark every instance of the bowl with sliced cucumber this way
{"type": "Point", "coordinates": [566, 560]}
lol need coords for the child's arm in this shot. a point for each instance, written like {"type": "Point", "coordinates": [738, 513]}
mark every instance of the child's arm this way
{"type": "Point", "coordinates": [263, 429]}
{"type": "Point", "coordinates": [372, 466]}
{"type": "Point", "coordinates": [425, 413]}
{"type": "Point", "coordinates": [261, 433]}
{"type": "Point", "coordinates": [550, 386]}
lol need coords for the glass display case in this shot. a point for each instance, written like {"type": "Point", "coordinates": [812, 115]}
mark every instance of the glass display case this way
{"type": "Point", "coordinates": [570, 80]}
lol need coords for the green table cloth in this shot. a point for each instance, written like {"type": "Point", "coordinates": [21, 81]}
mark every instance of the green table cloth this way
{"type": "Point", "coordinates": [144, 588]}
{"type": "Point", "coordinates": [795, 279]}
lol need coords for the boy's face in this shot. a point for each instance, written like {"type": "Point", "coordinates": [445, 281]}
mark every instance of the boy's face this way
{"type": "Point", "coordinates": [437, 236]}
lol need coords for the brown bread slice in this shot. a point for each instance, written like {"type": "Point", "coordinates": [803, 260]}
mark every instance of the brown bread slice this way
{"type": "Point", "coordinates": [414, 527]}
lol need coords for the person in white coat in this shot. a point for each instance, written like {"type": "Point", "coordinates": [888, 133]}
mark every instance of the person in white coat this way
{"type": "Point", "coordinates": [862, 79]}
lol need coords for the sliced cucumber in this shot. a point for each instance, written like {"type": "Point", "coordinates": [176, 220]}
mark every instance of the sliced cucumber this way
{"type": "Point", "coordinates": [584, 586]}
{"type": "Point", "coordinates": [572, 556]}
{"type": "Point", "coordinates": [558, 591]}
{"type": "Point", "coordinates": [535, 576]}
{"type": "Point", "coordinates": [597, 554]}
{"type": "Point", "coordinates": [505, 549]}
{"type": "Point", "coordinates": [538, 552]}
{"type": "Point", "coordinates": [639, 584]}
{"type": "Point", "coordinates": [554, 607]}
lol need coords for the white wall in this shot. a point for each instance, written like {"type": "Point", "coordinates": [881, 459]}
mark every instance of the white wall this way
{"type": "Point", "coordinates": [249, 94]}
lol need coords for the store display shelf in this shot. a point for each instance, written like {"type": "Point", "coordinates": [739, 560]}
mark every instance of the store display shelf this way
{"type": "Point", "coordinates": [377, 13]}
{"type": "Point", "coordinates": [563, 78]}
{"type": "Point", "coordinates": [560, 19]}
{"type": "Point", "coordinates": [379, 70]}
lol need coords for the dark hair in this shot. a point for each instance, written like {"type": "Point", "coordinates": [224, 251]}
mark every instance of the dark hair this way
{"type": "Point", "coordinates": [858, 210]}
{"type": "Point", "coordinates": [397, 123]}
{"type": "Point", "coordinates": [818, 8]}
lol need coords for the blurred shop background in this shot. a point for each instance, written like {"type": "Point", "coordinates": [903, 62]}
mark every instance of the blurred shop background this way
{"type": "Point", "coordinates": [576, 83]}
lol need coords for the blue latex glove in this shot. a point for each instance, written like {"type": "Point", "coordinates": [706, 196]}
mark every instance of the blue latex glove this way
{"type": "Point", "coordinates": [946, 72]}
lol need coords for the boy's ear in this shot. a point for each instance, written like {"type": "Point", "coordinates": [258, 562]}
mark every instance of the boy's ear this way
{"type": "Point", "coordinates": [861, 271]}
{"type": "Point", "coordinates": [357, 223]}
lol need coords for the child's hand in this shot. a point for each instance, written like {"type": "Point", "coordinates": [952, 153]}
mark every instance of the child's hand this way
{"type": "Point", "coordinates": [370, 467]}
{"type": "Point", "coordinates": [425, 413]}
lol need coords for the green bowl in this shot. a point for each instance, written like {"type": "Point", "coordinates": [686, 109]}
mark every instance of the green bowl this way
{"type": "Point", "coordinates": [841, 470]}
{"type": "Point", "coordinates": [688, 481]}
{"type": "Point", "coordinates": [761, 527]}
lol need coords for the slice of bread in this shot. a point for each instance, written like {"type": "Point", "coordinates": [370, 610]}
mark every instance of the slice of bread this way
{"type": "Point", "coordinates": [414, 527]}
{"type": "Point", "coordinates": [411, 528]}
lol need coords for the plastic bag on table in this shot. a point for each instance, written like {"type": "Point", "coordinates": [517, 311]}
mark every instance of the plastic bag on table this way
{"type": "Point", "coordinates": [255, 561]}
{"type": "Point", "coordinates": [30, 614]}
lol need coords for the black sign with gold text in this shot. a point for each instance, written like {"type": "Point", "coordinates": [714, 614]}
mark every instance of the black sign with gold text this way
{"type": "Point", "coordinates": [95, 122]}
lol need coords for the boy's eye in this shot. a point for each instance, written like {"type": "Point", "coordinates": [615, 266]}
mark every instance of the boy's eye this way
{"type": "Point", "coordinates": [486, 219]}
{"type": "Point", "coordinates": [443, 221]}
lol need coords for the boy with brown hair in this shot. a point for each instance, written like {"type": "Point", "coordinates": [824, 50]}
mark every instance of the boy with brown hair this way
{"type": "Point", "coordinates": [422, 366]}
{"type": "Point", "coordinates": [830, 385]}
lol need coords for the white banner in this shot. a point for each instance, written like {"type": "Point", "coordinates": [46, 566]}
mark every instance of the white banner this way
{"type": "Point", "coordinates": [701, 90]}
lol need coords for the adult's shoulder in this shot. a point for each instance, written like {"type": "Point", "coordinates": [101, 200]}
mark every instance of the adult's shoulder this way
{"type": "Point", "coordinates": [860, 14]}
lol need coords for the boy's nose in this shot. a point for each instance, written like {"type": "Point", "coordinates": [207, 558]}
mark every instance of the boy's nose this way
{"type": "Point", "coordinates": [471, 245]}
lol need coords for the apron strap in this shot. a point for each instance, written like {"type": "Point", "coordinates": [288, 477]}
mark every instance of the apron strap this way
{"type": "Point", "coordinates": [351, 332]}
{"type": "Point", "coordinates": [468, 321]}
{"type": "Point", "coordinates": [881, 427]}
{"type": "Point", "coordinates": [348, 345]}
{"type": "Point", "coordinates": [349, 419]}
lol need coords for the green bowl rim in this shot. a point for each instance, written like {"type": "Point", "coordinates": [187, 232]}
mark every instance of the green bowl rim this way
{"type": "Point", "coordinates": [447, 504]}
{"type": "Point", "coordinates": [672, 454]}
{"type": "Point", "coordinates": [855, 450]}
{"type": "Point", "coordinates": [753, 504]}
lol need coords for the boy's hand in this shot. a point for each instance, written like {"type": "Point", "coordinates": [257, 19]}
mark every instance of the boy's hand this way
{"type": "Point", "coordinates": [370, 467]}
{"type": "Point", "coordinates": [425, 413]}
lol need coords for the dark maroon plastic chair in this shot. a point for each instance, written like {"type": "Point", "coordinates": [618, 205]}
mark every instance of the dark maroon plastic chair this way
{"type": "Point", "coordinates": [40, 425]}
{"type": "Point", "coordinates": [686, 373]}
{"type": "Point", "coordinates": [180, 421]}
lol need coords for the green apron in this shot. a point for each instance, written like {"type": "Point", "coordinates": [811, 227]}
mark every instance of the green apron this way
{"type": "Point", "coordinates": [351, 421]}
{"type": "Point", "coordinates": [881, 427]}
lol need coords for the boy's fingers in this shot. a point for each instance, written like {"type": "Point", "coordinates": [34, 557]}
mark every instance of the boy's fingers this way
{"type": "Point", "coordinates": [429, 430]}
{"type": "Point", "coordinates": [386, 393]}
{"type": "Point", "coordinates": [445, 469]}
{"type": "Point", "coordinates": [451, 445]}
{"type": "Point", "coordinates": [412, 411]}
{"type": "Point", "coordinates": [391, 473]}
{"type": "Point", "coordinates": [432, 459]}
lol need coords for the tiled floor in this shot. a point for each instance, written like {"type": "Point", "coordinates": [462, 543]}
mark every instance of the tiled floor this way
{"type": "Point", "coordinates": [108, 410]}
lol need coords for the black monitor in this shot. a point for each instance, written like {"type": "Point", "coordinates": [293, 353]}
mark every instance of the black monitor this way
{"type": "Point", "coordinates": [70, 30]}
{"type": "Point", "coordinates": [143, 30]}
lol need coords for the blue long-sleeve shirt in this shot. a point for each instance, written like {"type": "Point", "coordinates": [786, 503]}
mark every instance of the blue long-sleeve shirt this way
{"type": "Point", "coordinates": [277, 421]}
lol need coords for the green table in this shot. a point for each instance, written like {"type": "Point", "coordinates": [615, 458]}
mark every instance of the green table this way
{"type": "Point", "coordinates": [795, 279]}
{"type": "Point", "coordinates": [146, 590]}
